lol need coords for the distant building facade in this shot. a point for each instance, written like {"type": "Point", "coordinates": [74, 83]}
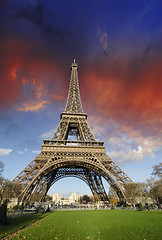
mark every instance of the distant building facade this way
{"type": "Point", "coordinates": [56, 198]}
{"type": "Point", "coordinates": [73, 198]}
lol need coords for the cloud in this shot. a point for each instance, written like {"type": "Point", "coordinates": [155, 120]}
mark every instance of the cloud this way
{"type": "Point", "coordinates": [27, 78]}
{"type": "Point", "coordinates": [35, 151]}
{"type": "Point", "coordinates": [125, 144]}
{"type": "Point", "coordinates": [50, 29]}
{"type": "Point", "coordinates": [128, 148]}
{"type": "Point", "coordinates": [127, 156]}
{"type": "Point", "coordinates": [48, 135]}
{"type": "Point", "coordinates": [102, 37]}
{"type": "Point", "coordinates": [3, 3]}
{"type": "Point", "coordinates": [35, 107]}
{"type": "Point", "coordinates": [20, 152]}
{"type": "Point", "coordinates": [146, 52]}
{"type": "Point", "coordinates": [35, 14]}
{"type": "Point", "coordinates": [127, 93]}
{"type": "Point", "coordinates": [61, 109]}
{"type": "Point", "coordinates": [33, 49]}
{"type": "Point", "coordinates": [38, 16]}
{"type": "Point", "coordinates": [4, 151]}
{"type": "Point", "coordinates": [57, 97]}
{"type": "Point", "coordinates": [39, 94]}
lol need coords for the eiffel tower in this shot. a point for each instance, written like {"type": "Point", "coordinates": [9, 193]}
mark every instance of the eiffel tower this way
{"type": "Point", "coordinates": [73, 151]}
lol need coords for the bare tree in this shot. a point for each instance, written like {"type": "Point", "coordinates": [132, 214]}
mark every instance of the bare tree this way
{"type": "Point", "coordinates": [143, 190]}
{"type": "Point", "coordinates": [155, 184]}
{"type": "Point", "coordinates": [48, 198]}
{"type": "Point", "coordinates": [152, 188]}
{"type": "Point", "coordinates": [1, 168]}
{"type": "Point", "coordinates": [155, 189]}
{"type": "Point", "coordinates": [157, 170]}
{"type": "Point", "coordinates": [9, 189]}
{"type": "Point", "coordinates": [132, 192]}
{"type": "Point", "coordinates": [112, 196]}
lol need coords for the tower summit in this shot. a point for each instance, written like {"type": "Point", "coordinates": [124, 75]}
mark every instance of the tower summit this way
{"type": "Point", "coordinates": [72, 151]}
{"type": "Point", "coordinates": [74, 104]}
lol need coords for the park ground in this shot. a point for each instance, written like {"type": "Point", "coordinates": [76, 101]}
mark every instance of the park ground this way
{"type": "Point", "coordinates": [95, 224]}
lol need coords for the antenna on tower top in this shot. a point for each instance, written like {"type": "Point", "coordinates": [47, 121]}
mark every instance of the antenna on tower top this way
{"type": "Point", "coordinates": [74, 60]}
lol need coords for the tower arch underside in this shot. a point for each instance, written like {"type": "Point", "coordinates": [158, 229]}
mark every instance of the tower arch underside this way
{"type": "Point", "coordinates": [88, 171]}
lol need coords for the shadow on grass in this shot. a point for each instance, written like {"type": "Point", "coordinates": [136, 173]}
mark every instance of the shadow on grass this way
{"type": "Point", "coordinates": [20, 222]}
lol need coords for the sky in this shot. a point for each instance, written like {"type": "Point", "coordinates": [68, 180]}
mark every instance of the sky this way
{"type": "Point", "coordinates": [118, 48]}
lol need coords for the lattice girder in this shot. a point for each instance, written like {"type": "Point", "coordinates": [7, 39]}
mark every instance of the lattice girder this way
{"type": "Point", "coordinates": [84, 157]}
{"type": "Point", "coordinates": [91, 178]}
{"type": "Point", "coordinates": [54, 157]}
{"type": "Point", "coordinates": [74, 104]}
{"type": "Point", "coordinates": [78, 122]}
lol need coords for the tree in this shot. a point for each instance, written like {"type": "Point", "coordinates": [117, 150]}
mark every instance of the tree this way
{"type": "Point", "coordinates": [9, 189]}
{"type": "Point", "coordinates": [113, 201]}
{"type": "Point", "coordinates": [85, 199]}
{"type": "Point", "coordinates": [1, 168]}
{"type": "Point", "coordinates": [132, 192]}
{"type": "Point", "coordinates": [155, 189]}
{"type": "Point", "coordinates": [48, 198]}
{"type": "Point", "coordinates": [140, 206]}
{"type": "Point", "coordinates": [2, 186]}
{"type": "Point", "coordinates": [112, 196]}
{"type": "Point", "coordinates": [152, 188]}
{"type": "Point", "coordinates": [3, 213]}
{"type": "Point", "coordinates": [157, 170]}
{"type": "Point", "coordinates": [39, 209]}
{"type": "Point", "coordinates": [155, 183]}
{"type": "Point", "coordinates": [142, 190]}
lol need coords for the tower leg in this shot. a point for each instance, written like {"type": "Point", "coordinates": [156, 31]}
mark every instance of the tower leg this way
{"type": "Point", "coordinates": [96, 186]}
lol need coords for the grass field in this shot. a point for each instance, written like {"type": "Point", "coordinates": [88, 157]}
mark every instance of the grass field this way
{"type": "Point", "coordinates": [20, 222]}
{"type": "Point", "coordinates": [97, 224]}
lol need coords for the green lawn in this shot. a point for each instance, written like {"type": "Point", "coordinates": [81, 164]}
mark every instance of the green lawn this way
{"type": "Point", "coordinates": [97, 224]}
{"type": "Point", "coordinates": [20, 222]}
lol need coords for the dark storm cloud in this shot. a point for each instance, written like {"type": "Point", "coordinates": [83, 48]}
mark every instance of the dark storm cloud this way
{"type": "Point", "coordinates": [37, 46]}
{"type": "Point", "coordinates": [105, 53]}
{"type": "Point", "coordinates": [3, 3]}
{"type": "Point", "coordinates": [34, 44]}
{"type": "Point", "coordinates": [35, 14]}
{"type": "Point", "coordinates": [40, 17]}
{"type": "Point", "coordinates": [50, 29]}
{"type": "Point", "coordinates": [50, 25]}
{"type": "Point", "coordinates": [146, 52]}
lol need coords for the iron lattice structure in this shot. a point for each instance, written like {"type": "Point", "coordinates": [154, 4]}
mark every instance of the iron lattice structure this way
{"type": "Point", "coordinates": [62, 156]}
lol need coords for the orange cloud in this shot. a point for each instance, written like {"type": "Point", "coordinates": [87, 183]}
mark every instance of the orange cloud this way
{"type": "Point", "coordinates": [57, 97]}
{"type": "Point", "coordinates": [61, 109]}
{"type": "Point", "coordinates": [102, 38]}
{"type": "Point", "coordinates": [25, 74]}
{"type": "Point", "coordinates": [127, 94]}
{"type": "Point", "coordinates": [33, 106]}
{"type": "Point", "coordinates": [13, 73]}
